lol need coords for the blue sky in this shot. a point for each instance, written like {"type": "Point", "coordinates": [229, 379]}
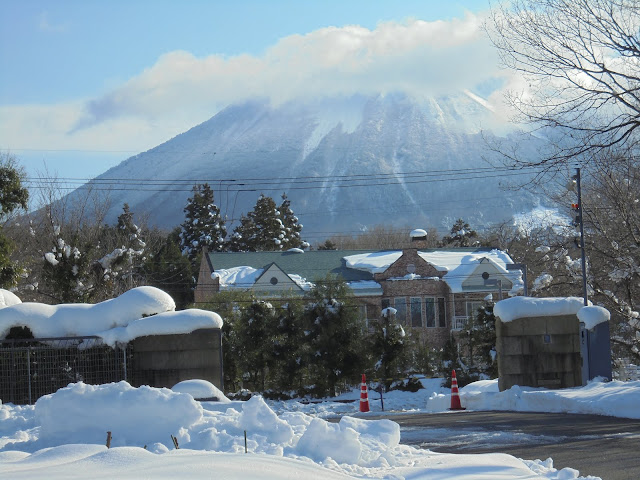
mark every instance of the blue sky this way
{"type": "Point", "coordinates": [87, 84]}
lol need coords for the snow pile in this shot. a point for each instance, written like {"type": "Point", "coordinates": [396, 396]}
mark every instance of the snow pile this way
{"type": "Point", "coordinates": [8, 298]}
{"type": "Point", "coordinates": [63, 435]}
{"type": "Point", "coordinates": [200, 390]}
{"type": "Point", "coordinates": [593, 315]}
{"type": "Point", "coordinates": [68, 320]}
{"type": "Point", "coordinates": [135, 416]}
{"type": "Point", "coordinates": [521, 307]}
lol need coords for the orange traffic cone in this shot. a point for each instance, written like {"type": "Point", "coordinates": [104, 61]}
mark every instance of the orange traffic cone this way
{"type": "Point", "coordinates": [455, 395]}
{"type": "Point", "coordinates": [364, 396]}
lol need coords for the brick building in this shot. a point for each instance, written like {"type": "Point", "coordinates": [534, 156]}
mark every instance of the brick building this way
{"type": "Point", "coordinates": [433, 291]}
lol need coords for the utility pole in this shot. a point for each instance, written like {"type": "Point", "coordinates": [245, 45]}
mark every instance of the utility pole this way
{"type": "Point", "coordinates": [579, 219]}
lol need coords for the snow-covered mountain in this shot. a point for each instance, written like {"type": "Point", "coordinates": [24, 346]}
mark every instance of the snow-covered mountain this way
{"type": "Point", "coordinates": [345, 164]}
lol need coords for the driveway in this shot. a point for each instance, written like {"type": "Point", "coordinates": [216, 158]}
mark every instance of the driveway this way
{"type": "Point", "coordinates": [607, 447]}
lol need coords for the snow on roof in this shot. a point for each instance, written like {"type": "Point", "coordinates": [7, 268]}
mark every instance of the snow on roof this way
{"type": "Point", "coordinates": [79, 319]}
{"type": "Point", "coordinates": [458, 264]}
{"type": "Point", "coordinates": [237, 277]}
{"type": "Point", "coordinates": [375, 262]}
{"type": "Point", "coordinates": [8, 298]}
{"type": "Point", "coordinates": [593, 315]}
{"type": "Point", "coordinates": [166, 323]}
{"type": "Point", "coordinates": [418, 233]}
{"type": "Point", "coordinates": [521, 307]}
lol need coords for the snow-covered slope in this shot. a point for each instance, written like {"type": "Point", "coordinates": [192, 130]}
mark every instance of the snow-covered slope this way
{"type": "Point", "coordinates": [257, 147]}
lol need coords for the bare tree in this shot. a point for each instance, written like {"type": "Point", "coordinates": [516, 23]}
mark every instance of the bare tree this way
{"type": "Point", "coordinates": [581, 63]}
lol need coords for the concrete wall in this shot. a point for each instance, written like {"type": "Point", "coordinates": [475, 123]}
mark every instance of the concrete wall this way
{"type": "Point", "coordinates": [539, 352]}
{"type": "Point", "coordinates": [164, 360]}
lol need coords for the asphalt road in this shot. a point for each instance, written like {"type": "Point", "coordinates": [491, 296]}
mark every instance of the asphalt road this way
{"type": "Point", "coordinates": [606, 447]}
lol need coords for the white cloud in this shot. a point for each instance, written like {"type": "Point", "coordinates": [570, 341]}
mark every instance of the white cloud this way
{"type": "Point", "coordinates": [181, 90]}
{"type": "Point", "coordinates": [46, 25]}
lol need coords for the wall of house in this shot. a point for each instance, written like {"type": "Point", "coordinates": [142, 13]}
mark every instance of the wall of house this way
{"type": "Point", "coordinates": [206, 286]}
{"type": "Point", "coordinates": [276, 281]}
{"type": "Point", "coordinates": [164, 360]}
{"type": "Point", "coordinates": [396, 287]}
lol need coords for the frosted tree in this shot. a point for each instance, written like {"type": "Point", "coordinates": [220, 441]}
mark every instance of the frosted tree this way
{"type": "Point", "coordinates": [292, 228]}
{"type": "Point", "coordinates": [121, 265]}
{"type": "Point", "coordinates": [262, 229]}
{"type": "Point", "coordinates": [65, 270]}
{"type": "Point", "coordinates": [203, 226]}
{"type": "Point", "coordinates": [13, 196]}
{"type": "Point", "coordinates": [462, 235]}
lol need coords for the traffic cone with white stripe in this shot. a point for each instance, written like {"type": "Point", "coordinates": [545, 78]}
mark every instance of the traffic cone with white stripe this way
{"type": "Point", "coordinates": [455, 395]}
{"type": "Point", "coordinates": [364, 396]}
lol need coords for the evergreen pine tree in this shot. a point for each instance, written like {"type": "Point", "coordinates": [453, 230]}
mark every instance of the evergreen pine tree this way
{"type": "Point", "coordinates": [203, 225]}
{"type": "Point", "coordinates": [335, 336]}
{"type": "Point", "coordinates": [288, 348]}
{"type": "Point", "coordinates": [256, 330]}
{"type": "Point", "coordinates": [260, 230]}
{"type": "Point", "coordinates": [12, 197]}
{"type": "Point", "coordinates": [292, 228]}
{"type": "Point", "coordinates": [169, 270]}
{"type": "Point", "coordinates": [122, 265]}
{"type": "Point", "coordinates": [462, 235]}
{"type": "Point", "coordinates": [388, 346]}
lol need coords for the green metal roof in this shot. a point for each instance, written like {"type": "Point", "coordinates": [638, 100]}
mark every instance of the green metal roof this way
{"type": "Point", "coordinates": [312, 265]}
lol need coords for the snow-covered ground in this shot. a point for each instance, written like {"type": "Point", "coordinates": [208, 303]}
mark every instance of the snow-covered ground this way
{"type": "Point", "coordinates": [63, 435]}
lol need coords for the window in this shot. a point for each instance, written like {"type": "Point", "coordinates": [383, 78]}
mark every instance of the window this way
{"type": "Point", "coordinates": [472, 309]}
{"type": "Point", "coordinates": [400, 304]}
{"type": "Point", "coordinates": [274, 281]}
{"type": "Point", "coordinates": [416, 312]}
{"type": "Point", "coordinates": [430, 309]}
{"type": "Point", "coordinates": [386, 303]}
{"type": "Point", "coordinates": [442, 312]}
{"type": "Point", "coordinates": [362, 313]}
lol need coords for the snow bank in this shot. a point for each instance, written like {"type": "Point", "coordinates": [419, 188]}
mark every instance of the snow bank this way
{"type": "Point", "coordinates": [620, 399]}
{"type": "Point", "coordinates": [85, 319]}
{"type": "Point", "coordinates": [592, 316]}
{"type": "Point", "coordinates": [67, 433]}
{"type": "Point", "coordinates": [521, 307]}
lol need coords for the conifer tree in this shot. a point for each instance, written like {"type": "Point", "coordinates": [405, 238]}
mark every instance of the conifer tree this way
{"type": "Point", "coordinates": [291, 225]}
{"type": "Point", "coordinates": [13, 196]}
{"type": "Point", "coordinates": [335, 337]}
{"type": "Point", "coordinates": [170, 271]}
{"type": "Point", "coordinates": [260, 230]}
{"type": "Point", "coordinates": [388, 346]}
{"type": "Point", "coordinates": [203, 225]}
{"type": "Point", "coordinates": [255, 331]}
{"type": "Point", "coordinates": [288, 348]}
{"type": "Point", "coordinates": [462, 235]}
{"type": "Point", "coordinates": [120, 266]}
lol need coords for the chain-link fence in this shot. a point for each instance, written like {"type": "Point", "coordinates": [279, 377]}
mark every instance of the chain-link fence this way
{"type": "Point", "coordinates": [31, 368]}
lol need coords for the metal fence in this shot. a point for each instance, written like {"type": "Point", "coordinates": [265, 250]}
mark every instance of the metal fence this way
{"type": "Point", "coordinates": [31, 368]}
